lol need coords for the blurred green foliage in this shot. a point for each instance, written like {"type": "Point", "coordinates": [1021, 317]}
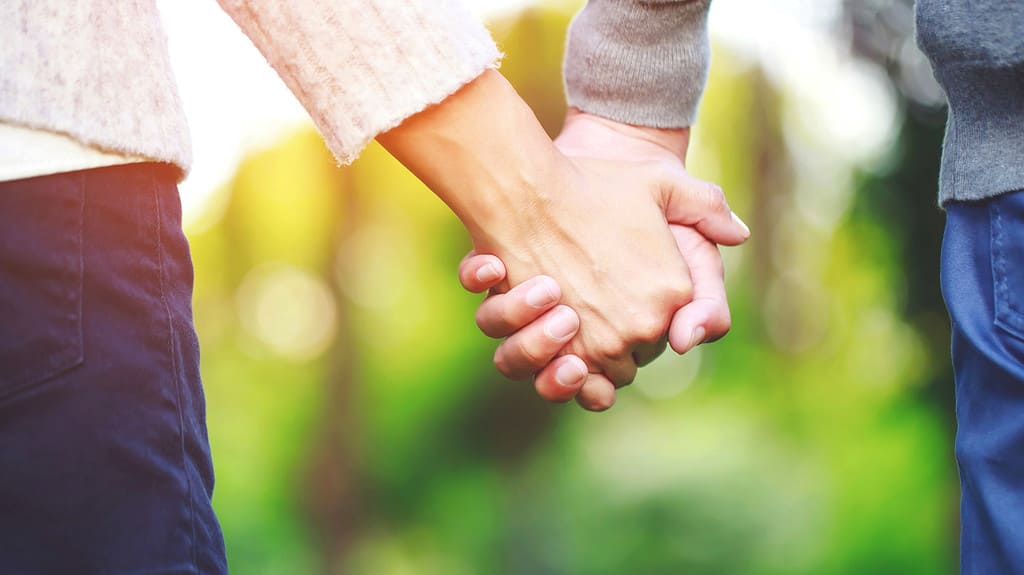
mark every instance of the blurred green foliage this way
{"type": "Point", "coordinates": [359, 427]}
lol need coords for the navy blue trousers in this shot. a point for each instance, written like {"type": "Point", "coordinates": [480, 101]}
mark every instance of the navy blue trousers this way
{"type": "Point", "coordinates": [104, 458]}
{"type": "Point", "coordinates": [983, 285]}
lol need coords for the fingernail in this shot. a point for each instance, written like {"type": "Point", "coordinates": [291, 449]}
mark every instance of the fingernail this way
{"type": "Point", "coordinates": [698, 336]}
{"type": "Point", "coordinates": [488, 273]}
{"type": "Point", "coordinates": [562, 324]}
{"type": "Point", "coordinates": [741, 223]}
{"type": "Point", "coordinates": [570, 372]}
{"type": "Point", "coordinates": [540, 295]}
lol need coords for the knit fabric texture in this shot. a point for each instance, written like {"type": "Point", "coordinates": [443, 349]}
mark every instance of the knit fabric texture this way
{"type": "Point", "coordinates": [976, 48]}
{"type": "Point", "coordinates": [639, 62]}
{"type": "Point", "coordinates": [93, 70]}
{"type": "Point", "coordinates": [99, 71]}
{"type": "Point", "coordinates": [361, 67]}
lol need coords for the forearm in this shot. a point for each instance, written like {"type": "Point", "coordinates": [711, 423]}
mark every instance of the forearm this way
{"type": "Point", "coordinates": [639, 62]}
{"type": "Point", "coordinates": [482, 151]}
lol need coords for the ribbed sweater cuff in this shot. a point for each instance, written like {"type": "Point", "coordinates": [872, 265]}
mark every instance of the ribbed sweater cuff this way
{"type": "Point", "coordinates": [639, 62]}
{"type": "Point", "coordinates": [360, 68]}
{"type": "Point", "coordinates": [983, 153]}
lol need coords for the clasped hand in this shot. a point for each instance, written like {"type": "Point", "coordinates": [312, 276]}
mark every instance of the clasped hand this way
{"type": "Point", "coordinates": [614, 257]}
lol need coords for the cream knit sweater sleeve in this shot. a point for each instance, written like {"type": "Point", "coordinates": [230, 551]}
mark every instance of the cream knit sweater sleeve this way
{"type": "Point", "coordinates": [98, 71]}
{"type": "Point", "coordinates": [360, 67]}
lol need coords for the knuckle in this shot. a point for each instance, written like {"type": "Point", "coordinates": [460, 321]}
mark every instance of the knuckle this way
{"type": "Point", "coordinates": [505, 318]}
{"type": "Point", "coordinates": [647, 353]}
{"type": "Point", "coordinates": [643, 324]}
{"type": "Point", "coordinates": [577, 347]}
{"type": "Point", "coordinates": [715, 198]}
{"type": "Point", "coordinates": [487, 322]}
{"type": "Point", "coordinates": [625, 373]}
{"type": "Point", "coordinates": [677, 291]}
{"type": "Point", "coordinates": [605, 345]}
{"type": "Point", "coordinates": [612, 348]}
{"type": "Point", "coordinates": [530, 352]}
{"type": "Point", "coordinates": [648, 329]}
{"type": "Point", "coordinates": [501, 363]}
{"type": "Point", "coordinates": [666, 176]}
{"type": "Point", "coordinates": [684, 292]}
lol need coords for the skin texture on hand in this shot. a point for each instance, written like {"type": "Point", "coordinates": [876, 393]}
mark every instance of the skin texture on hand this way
{"type": "Point", "coordinates": [535, 337]}
{"type": "Point", "coordinates": [706, 318]}
{"type": "Point", "coordinates": [596, 136]}
{"type": "Point", "coordinates": [597, 226]}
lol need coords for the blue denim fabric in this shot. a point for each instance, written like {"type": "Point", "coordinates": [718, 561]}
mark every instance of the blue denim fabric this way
{"type": "Point", "coordinates": [983, 285]}
{"type": "Point", "coordinates": [104, 459]}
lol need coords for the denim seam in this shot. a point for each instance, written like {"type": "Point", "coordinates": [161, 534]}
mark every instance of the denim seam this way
{"type": "Point", "coordinates": [175, 368]}
{"type": "Point", "coordinates": [1007, 315]}
{"type": "Point", "coordinates": [81, 267]}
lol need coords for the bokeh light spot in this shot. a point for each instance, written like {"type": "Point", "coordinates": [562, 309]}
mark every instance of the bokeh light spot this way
{"type": "Point", "coordinates": [289, 310]}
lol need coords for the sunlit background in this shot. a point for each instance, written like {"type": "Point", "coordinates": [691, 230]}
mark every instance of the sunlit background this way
{"type": "Point", "coordinates": [359, 427]}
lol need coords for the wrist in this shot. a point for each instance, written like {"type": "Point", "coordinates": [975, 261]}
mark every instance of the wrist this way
{"type": "Point", "coordinates": [600, 133]}
{"type": "Point", "coordinates": [481, 151]}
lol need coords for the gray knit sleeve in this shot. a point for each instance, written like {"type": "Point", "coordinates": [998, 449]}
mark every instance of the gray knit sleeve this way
{"type": "Point", "coordinates": [642, 62]}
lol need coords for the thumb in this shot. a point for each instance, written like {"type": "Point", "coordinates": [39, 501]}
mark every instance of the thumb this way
{"type": "Point", "coordinates": [707, 317]}
{"type": "Point", "coordinates": [692, 202]}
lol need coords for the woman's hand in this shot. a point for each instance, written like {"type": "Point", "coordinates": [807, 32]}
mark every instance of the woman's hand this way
{"type": "Point", "coordinates": [599, 229]}
{"type": "Point", "coordinates": [597, 226]}
{"type": "Point", "coordinates": [532, 346]}
{"type": "Point", "coordinates": [706, 318]}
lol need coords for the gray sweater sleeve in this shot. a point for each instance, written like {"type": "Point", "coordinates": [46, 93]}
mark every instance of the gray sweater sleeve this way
{"type": "Point", "coordinates": [642, 62]}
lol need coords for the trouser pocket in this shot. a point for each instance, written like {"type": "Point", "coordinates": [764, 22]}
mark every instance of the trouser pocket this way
{"type": "Point", "coordinates": [40, 280]}
{"type": "Point", "coordinates": [1007, 228]}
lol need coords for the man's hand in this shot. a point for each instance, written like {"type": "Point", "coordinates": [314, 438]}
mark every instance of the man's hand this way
{"type": "Point", "coordinates": [596, 225]}
{"type": "Point", "coordinates": [533, 347]}
{"type": "Point", "coordinates": [594, 136]}
{"type": "Point", "coordinates": [603, 235]}
{"type": "Point", "coordinates": [706, 318]}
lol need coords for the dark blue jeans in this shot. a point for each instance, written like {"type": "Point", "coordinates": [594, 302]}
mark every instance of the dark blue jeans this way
{"type": "Point", "coordinates": [983, 285]}
{"type": "Point", "coordinates": [104, 459]}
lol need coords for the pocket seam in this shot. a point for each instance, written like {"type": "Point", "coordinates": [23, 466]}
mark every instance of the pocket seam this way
{"type": "Point", "coordinates": [72, 354]}
{"type": "Point", "coordinates": [1008, 316]}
